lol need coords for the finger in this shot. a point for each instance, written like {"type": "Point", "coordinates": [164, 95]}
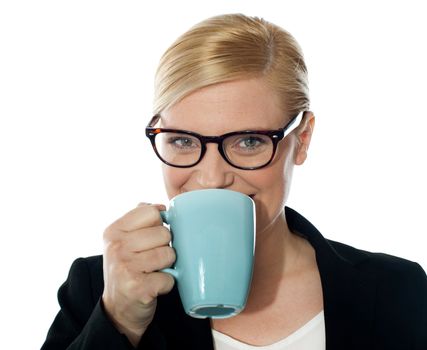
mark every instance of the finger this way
{"type": "Point", "coordinates": [163, 282]}
{"type": "Point", "coordinates": [152, 260]}
{"type": "Point", "coordinates": [145, 239]}
{"type": "Point", "coordinates": [139, 217]}
{"type": "Point", "coordinates": [155, 284]}
{"type": "Point", "coordinates": [159, 206]}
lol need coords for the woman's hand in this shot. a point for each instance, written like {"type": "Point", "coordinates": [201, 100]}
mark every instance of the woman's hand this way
{"type": "Point", "coordinates": [136, 247]}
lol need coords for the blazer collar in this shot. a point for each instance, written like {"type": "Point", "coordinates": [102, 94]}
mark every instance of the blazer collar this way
{"type": "Point", "coordinates": [348, 299]}
{"type": "Point", "coordinates": [348, 293]}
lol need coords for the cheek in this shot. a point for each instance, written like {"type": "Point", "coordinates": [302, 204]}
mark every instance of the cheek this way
{"type": "Point", "coordinates": [271, 197]}
{"type": "Point", "coordinates": [276, 176]}
{"type": "Point", "coordinates": [274, 183]}
{"type": "Point", "coordinates": [174, 179]}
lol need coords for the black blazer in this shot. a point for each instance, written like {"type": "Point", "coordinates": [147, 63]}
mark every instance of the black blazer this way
{"type": "Point", "coordinates": [371, 301]}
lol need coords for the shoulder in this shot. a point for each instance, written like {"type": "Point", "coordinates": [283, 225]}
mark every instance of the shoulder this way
{"type": "Point", "coordinates": [380, 263]}
{"type": "Point", "coordinates": [385, 268]}
{"type": "Point", "coordinates": [376, 261]}
{"type": "Point", "coordinates": [92, 263]}
{"type": "Point", "coordinates": [91, 266]}
{"type": "Point", "coordinates": [400, 292]}
{"type": "Point", "coordinates": [85, 276]}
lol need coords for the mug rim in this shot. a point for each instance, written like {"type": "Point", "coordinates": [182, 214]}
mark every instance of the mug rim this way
{"type": "Point", "coordinates": [212, 190]}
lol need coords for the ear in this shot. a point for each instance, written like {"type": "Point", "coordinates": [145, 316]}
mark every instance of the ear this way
{"type": "Point", "coordinates": [304, 137]}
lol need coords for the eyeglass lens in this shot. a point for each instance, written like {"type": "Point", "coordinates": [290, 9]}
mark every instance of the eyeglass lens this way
{"type": "Point", "coordinates": [242, 150]}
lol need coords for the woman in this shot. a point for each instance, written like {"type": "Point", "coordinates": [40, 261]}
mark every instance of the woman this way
{"type": "Point", "coordinates": [232, 73]}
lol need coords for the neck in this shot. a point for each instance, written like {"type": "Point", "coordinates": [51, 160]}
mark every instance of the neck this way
{"type": "Point", "coordinates": [278, 254]}
{"type": "Point", "coordinates": [276, 250]}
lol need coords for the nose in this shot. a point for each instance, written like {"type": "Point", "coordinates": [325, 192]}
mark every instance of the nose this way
{"type": "Point", "coordinates": [213, 171]}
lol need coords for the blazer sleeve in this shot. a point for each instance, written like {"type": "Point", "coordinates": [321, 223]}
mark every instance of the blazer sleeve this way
{"type": "Point", "coordinates": [82, 322]}
{"type": "Point", "coordinates": [421, 286]}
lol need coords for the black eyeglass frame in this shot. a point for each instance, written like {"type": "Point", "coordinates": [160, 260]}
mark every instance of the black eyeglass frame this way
{"type": "Point", "coordinates": [275, 136]}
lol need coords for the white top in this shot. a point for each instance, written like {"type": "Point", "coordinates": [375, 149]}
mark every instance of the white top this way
{"type": "Point", "coordinates": [311, 336]}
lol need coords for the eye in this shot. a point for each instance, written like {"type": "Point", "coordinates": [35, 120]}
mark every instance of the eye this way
{"type": "Point", "coordinates": [183, 142]}
{"type": "Point", "coordinates": [249, 143]}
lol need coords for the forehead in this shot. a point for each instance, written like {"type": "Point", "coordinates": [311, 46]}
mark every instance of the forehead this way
{"type": "Point", "coordinates": [225, 107]}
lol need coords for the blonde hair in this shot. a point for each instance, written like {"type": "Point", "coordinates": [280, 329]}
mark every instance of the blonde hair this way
{"type": "Point", "coordinates": [230, 47]}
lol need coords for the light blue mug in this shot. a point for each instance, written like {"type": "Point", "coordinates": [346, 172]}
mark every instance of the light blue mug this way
{"type": "Point", "coordinates": [213, 234]}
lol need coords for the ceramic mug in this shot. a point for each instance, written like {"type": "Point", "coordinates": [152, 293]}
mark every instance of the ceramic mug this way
{"type": "Point", "coordinates": [213, 234]}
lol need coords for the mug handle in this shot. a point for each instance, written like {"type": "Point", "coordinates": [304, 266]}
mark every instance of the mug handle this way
{"type": "Point", "coordinates": [171, 271]}
{"type": "Point", "coordinates": [165, 216]}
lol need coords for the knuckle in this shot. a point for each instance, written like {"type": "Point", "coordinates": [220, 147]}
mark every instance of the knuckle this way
{"type": "Point", "coordinates": [113, 248]}
{"type": "Point", "coordinates": [120, 222]}
{"type": "Point", "coordinates": [149, 262]}
{"type": "Point", "coordinates": [166, 235]}
{"type": "Point", "coordinates": [132, 290]}
{"type": "Point", "coordinates": [153, 214]}
{"type": "Point", "coordinates": [116, 276]}
{"type": "Point", "coordinates": [147, 291]}
{"type": "Point", "coordinates": [108, 233]}
{"type": "Point", "coordinates": [170, 282]}
{"type": "Point", "coordinates": [150, 209]}
{"type": "Point", "coordinates": [170, 255]}
{"type": "Point", "coordinates": [163, 256]}
{"type": "Point", "coordinates": [132, 287]}
{"type": "Point", "coordinates": [155, 285]}
{"type": "Point", "coordinates": [146, 297]}
{"type": "Point", "coordinates": [159, 254]}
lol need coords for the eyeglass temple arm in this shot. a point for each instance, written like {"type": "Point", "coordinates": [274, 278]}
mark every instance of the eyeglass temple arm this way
{"type": "Point", "coordinates": [293, 124]}
{"type": "Point", "coordinates": [153, 121]}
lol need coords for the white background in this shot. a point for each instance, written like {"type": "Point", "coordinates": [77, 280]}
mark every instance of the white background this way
{"type": "Point", "coordinates": [75, 95]}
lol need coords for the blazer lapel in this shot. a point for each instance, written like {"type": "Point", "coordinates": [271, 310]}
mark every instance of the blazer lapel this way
{"type": "Point", "coordinates": [348, 298]}
{"type": "Point", "coordinates": [348, 294]}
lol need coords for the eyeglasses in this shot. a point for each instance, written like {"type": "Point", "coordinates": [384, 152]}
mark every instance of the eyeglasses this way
{"type": "Point", "coordinates": [247, 150]}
